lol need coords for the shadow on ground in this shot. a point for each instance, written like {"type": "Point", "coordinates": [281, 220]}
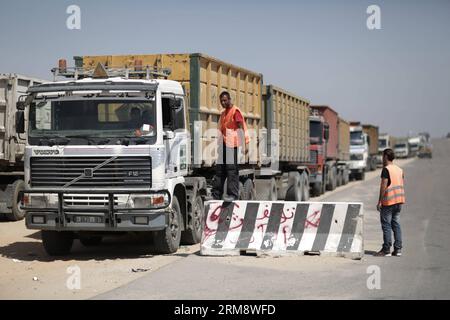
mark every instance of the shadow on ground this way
{"type": "Point", "coordinates": [125, 247]}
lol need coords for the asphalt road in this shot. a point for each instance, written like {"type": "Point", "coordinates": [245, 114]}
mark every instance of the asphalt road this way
{"type": "Point", "coordinates": [423, 272]}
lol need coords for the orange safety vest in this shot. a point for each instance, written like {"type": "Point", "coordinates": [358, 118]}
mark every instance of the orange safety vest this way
{"type": "Point", "coordinates": [395, 193]}
{"type": "Point", "coordinates": [229, 128]}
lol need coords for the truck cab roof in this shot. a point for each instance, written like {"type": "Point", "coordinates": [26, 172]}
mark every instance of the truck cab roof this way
{"type": "Point", "coordinates": [165, 86]}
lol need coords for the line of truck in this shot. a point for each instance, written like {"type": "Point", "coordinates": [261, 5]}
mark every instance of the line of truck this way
{"type": "Point", "coordinates": [85, 174]}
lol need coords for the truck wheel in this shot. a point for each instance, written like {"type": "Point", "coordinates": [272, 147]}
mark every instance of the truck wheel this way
{"type": "Point", "coordinates": [295, 191]}
{"type": "Point", "coordinates": [361, 176]}
{"type": "Point", "coordinates": [340, 179]}
{"type": "Point", "coordinates": [57, 243]}
{"type": "Point", "coordinates": [241, 191]}
{"type": "Point", "coordinates": [316, 189]}
{"type": "Point", "coordinates": [91, 241]}
{"type": "Point", "coordinates": [305, 194]}
{"type": "Point", "coordinates": [332, 185]}
{"type": "Point", "coordinates": [168, 240]}
{"type": "Point", "coordinates": [346, 177]}
{"type": "Point", "coordinates": [249, 190]}
{"type": "Point", "coordinates": [193, 233]}
{"type": "Point", "coordinates": [16, 213]}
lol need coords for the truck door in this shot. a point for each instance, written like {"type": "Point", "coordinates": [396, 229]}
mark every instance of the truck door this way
{"type": "Point", "coordinates": [175, 135]}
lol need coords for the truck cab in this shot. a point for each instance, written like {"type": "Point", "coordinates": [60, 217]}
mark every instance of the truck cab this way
{"type": "Point", "coordinates": [359, 152]}
{"type": "Point", "coordinates": [384, 142]}
{"type": "Point", "coordinates": [108, 152]}
{"type": "Point", "coordinates": [318, 132]}
{"type": "Point", "coordinates": [401, 149]}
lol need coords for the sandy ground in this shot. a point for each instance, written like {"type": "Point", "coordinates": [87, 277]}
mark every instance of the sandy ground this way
{"type": "Point", "coordinates": [26, 272]}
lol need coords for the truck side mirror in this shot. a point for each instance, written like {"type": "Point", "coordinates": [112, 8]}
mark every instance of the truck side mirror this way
{"type": "Point", "coordinates": [20, 105]}
{"type": "Point", "coordinates": [326, 133]}
{"type": "Point", "coordinates": [20, 121]}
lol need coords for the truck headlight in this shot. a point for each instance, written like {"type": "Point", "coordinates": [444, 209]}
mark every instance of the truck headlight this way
{"type": "Point", "coordinates": [39, 200]}
{"type": "Point", "coordinates": [157, 200]}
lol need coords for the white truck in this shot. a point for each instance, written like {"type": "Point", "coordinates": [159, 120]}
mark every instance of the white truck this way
{"type": "Point", "coordinates": [87, 172]}
{"type": "Point", "coordinates": [385, 141]}
{"type": "Point", "coordinates": [359, 152]}
{"type": "Point", "coordinates": [12, 144]}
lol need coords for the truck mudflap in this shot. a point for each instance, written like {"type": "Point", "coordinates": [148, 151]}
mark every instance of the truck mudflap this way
{"type": "Point", "coordinates": [87, 214]}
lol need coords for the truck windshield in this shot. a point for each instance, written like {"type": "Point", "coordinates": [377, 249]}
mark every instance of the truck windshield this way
{"type": "Point", "coordinates": [382, 143]}
{"type": "Point", "coordinates": [315, 132]}
{"type": "Point", "coordinates": [400, 146]}
{"type": "Point", "coordinates": [99, 118]}
{"type": "Point", "coordinates": [356, 138]}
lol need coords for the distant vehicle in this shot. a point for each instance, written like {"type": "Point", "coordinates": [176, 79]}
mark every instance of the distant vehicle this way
{"type": "Point", "coordinates": [448, 135]}
{"type": "Point", "coordinates": [426, 151]}
{"type": "Point", "coordinates": [415, 144]}
{"type": "Point", "coordinates": [401, 149]}
{"type": "Point", "coordinates": [385, 141]}
{"type": "Point", "coordinates": [363, 149]}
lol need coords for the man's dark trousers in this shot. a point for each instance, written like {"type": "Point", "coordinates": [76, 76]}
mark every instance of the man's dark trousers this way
{"type": "Point", "coordinates": [226, 168]}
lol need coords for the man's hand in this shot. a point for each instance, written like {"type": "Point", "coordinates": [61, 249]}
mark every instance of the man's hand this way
{"type": "Point", "coordinates": [379, 205]}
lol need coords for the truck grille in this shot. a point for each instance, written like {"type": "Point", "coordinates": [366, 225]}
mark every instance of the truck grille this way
{"type": "Point", "coordinates": [121, 172]}
{"type": "Point", "coordinates": [98, 200]}
{"type": "Point", "coordinates": [313, 156]}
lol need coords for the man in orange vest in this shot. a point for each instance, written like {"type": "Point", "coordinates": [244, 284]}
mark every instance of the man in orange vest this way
{"type": "Point", "coordinates": [392, 196]}
{"type": "Point", "coordinates": [233, 131]}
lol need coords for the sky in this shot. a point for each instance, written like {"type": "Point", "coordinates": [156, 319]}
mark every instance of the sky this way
{"type": "Point", "coordinates": [397, 77]}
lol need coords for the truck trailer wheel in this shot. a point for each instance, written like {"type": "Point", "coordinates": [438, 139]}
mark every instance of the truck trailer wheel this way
{"type": "Point", "coordinates": [295, 191]}
{"type": "Point", "coordinates": [16, 213]}
{"type": "Point", "coordinates": [305, 194]}
{"type": "Point", "coordinates": [193, 233]}
{"type": "Point", "coordinates": [57, 243]}
{"type": "Point", "coordinates": [316, 189]}
{"type": "Point", "coordinates": [340, 179]}
{"type": "Point", "coordinates": [168, 240]}
{"type": "Point", "coordinates": [249, 190]}
{"type": "Point", "coordinates": [332, 184]}
{"type": "Point", "coordinates": [346, 177]}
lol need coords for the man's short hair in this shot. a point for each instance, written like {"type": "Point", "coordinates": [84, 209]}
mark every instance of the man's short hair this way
{"type": "Point", "coordinates": [389, 153]}
{"type": "Point", "coordinates": [225, 93]}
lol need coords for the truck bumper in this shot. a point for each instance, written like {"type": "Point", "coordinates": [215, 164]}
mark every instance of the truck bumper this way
{"type": "Point", "coordinates": [110, 218]}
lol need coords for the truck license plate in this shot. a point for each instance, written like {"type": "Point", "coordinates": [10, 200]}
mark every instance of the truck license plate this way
{"type": "Point", "coordinates": [87, 219]}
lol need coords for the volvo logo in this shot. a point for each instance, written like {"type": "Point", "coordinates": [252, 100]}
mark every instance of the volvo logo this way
{"type": "Point", "coordinates": [88, 173]}
{"type": "Point", "coordinates": [46, 152]}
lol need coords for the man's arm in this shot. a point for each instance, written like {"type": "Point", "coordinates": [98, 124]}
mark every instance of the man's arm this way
{"type": "Point", "coordinates": [383, 187]}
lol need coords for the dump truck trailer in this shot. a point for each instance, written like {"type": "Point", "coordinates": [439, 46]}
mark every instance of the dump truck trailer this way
{"type": "Point", "coordinates": [12, 144]}
{"type": "Point", "coordinates": [286, 174]}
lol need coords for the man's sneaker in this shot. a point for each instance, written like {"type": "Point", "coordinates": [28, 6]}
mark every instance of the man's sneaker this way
{"type": "Point", "coordinates": [382, 253]}
{"type": "Point", "coordinates": [397, 253]}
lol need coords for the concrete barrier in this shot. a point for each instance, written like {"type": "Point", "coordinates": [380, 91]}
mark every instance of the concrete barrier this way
{"type": "Point", "coordinates": [283, 228]}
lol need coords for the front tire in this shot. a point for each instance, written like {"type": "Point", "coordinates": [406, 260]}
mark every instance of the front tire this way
{"type": "Point", "coordinates": [168, 240]}
{"type": "Point", "coordinates": [57, 243]}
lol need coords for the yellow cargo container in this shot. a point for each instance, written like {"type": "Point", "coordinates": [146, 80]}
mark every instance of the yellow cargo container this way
{"type": "Point", "coordinates": [290, 115]}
